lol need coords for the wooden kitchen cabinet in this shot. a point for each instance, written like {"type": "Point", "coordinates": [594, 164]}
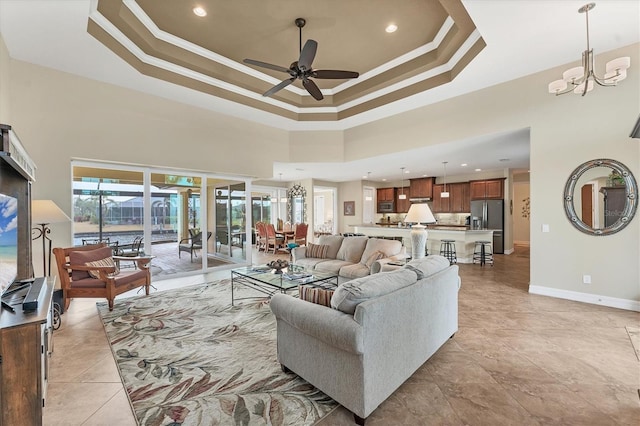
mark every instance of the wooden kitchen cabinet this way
{"type": "Point", "coordinates": [439, 204]}
{"type": "Point", "coordinates": [459, 200]}
{"type": "Point", "coordinates": [487, 189]}
{"type": "Point", "coordinates": [402, 206]}
{"type": "Point", "coordinates": [421, 187]}
{"type": "Point", "coordinates": [386, 194]}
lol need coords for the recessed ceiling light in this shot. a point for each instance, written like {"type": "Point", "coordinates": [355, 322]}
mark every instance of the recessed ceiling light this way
{"type": "Point", "coordinates": [391, 28]}
{"type": "Point", "coordinates": [199, 11]}
{"type": "Point", "coordinates": [478, 170]}
{"type": "Point", "coordinates": [424, 175]}
{"type": "Point", "coordinates": [503, 159]}
{"type": "Point", "coordinates": [463, 165]}
{"type": "Point", "coordinates": [364, 177]}
{"type": "Point", "coordinates": [384, 180]}
{"type": "Point", "coordinates": [407, 171]}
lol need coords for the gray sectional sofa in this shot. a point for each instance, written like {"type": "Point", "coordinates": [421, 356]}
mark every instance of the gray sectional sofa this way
{"type": "Point", "coordinates": [351, 257]}
{"type": "Point", "coordinates": [378, 331]}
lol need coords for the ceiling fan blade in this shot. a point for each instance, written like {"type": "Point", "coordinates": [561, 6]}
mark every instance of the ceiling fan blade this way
{"type": "Point", "coordinates": [307, 54]}
{"type": "Point", "coordinates": [313, 89]}
{"type": "Point", "coordinates": [279, 86]}
{"type": "Point", "coordinates": [334, 74]}
{"type": "Point", "coordinates": [266, 65]}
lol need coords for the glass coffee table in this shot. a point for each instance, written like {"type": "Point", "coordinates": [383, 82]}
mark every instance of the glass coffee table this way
{"type": "Point", "coordinates": [266, 281]}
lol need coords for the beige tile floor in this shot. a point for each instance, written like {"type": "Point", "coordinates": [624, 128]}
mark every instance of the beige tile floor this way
{"type": "Point", "coordinates": [517, 359]}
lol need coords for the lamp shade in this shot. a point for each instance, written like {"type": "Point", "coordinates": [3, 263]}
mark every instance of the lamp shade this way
{"type": "Point", "coordinates": [46, 211]}
{"type": "Point", "coordinates": [420, 213]}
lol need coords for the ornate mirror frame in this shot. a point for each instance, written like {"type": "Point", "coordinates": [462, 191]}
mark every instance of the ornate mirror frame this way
{"type": "Point", "coordinates": [297, 191]}
{"type": "Point", "coordinates": [631, 193]}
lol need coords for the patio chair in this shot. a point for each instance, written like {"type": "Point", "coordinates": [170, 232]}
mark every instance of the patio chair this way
{"type": "Point", "coordinates": [192, 244]}
{"type": "Point", "coordinates": [134, 250]}
{"type": "Point", "coordinates": [90, 271]}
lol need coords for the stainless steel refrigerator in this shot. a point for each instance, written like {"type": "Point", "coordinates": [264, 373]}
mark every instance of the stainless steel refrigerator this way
{"type": "Point", "coordinates": [489, 214]}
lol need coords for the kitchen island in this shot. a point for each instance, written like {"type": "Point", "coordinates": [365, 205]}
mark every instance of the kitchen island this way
{"type": "Point", "coordinates": [464, 238]}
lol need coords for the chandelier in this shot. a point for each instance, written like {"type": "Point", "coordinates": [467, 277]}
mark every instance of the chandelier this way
{"type": "Point", "coordinates": [580, 80]}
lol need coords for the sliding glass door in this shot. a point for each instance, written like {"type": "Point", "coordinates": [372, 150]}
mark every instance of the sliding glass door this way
{"type": "Point", "coordinates": [230, 221]}
{"type": "Point", "coordinates": [168, 213]}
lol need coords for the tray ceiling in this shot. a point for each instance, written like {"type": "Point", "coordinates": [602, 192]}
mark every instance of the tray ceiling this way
{"type": "Point", "coordinates": [164, 39]}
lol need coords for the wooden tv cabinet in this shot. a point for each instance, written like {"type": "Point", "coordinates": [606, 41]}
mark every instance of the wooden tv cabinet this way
{"type": "Point", "coordinates": [25, 347]}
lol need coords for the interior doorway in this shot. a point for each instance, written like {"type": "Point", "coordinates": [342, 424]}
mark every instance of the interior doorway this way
{"type": "Point", "coordinates": [325, 206]}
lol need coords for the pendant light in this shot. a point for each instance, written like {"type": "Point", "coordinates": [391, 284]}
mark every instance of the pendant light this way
{"type": "Point", "coordinates": [444, 193]}
{"type": "Point", "coordinates": [282, 199]}
{"type": "Point", "coordinates": [402, 195]}
{"type": "Point", "coordinates": [368, 197]}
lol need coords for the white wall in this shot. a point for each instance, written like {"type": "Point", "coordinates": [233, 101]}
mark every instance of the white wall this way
{"type": "Point", "coordinates": [60, 116]}
{"type": "Point", "coordinates": [521, 224]}
{"type": "Point", "coordinates": [565, 131]}
{"type": "Point", "coordinates": [4, 83]}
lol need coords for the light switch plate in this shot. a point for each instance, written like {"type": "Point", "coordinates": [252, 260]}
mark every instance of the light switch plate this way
{"type": "Point", "coordinates": [545, 227]}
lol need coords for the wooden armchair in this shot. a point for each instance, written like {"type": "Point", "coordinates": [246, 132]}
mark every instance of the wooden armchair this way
{"type": "Point", "coordinates": [90, 271]}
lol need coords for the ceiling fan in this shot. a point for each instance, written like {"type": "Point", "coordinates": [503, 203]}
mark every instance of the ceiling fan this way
{"type": "Point", "coordinates": [302, 70]}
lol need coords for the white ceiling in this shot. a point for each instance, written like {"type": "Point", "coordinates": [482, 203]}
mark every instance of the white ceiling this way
{"type": "Point", "coordinates": [524, 36]}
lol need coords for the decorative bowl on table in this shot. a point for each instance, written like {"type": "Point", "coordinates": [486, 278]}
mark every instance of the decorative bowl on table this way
{"type": "Point", "coordinates": [278, 265]}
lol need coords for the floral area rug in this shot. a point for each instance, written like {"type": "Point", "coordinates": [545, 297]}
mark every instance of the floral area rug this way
{"type": "Point", "coordinates": [187, 357]}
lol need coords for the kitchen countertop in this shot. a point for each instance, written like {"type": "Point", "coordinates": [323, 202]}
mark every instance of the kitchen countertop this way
{"type": "Point", "coordinates": [432, 227]}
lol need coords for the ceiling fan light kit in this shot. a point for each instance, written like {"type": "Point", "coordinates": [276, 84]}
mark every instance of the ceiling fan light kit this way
{"type": "Point", "coordinates": [302, 69]}
{"type": "Point", "coordinates": [581, 80]}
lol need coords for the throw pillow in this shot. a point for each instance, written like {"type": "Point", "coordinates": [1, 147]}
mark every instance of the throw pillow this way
{"type": "Point", "coordinates": [350, 294]}
{"type": "Point", "coordinates": [316, 251]}
{"type": "Point", "coordinates": [81, 257]}
{"type": "Point", "coordinates": [374, 256]}
{"type": "Point", "coordinates": [319, 296]}
{"type": "Point", "coordinates": [107, 261]}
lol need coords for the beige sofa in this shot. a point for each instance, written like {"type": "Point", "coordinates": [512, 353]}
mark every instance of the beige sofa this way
{"type": "Point", "coordinates": [378, 331]}
{"type": "Point", "coordinates": [351, 257]}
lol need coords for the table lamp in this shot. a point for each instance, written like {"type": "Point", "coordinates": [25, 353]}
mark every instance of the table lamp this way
{"type": "Point", "coordinates": [43, 213]}
{"type": "Point", "coordinates": [418, 214]}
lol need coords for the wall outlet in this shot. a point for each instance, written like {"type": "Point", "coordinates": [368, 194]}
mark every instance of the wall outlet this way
{"type": "Point", "coordinates": [586, 279]}
{"type": "Point", "coordinates": [545, 227]}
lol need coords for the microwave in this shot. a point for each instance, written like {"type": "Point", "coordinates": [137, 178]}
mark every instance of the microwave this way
{"type": "Point", "coordinates": [386, 207]}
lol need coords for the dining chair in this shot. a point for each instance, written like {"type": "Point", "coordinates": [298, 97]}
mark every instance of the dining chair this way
{"type": "Point", "coordinates": [261, 238]}
{"type": "Point", "coordinates": [273, 240]}
{"type": "Point", "coordinates": [300, 234]}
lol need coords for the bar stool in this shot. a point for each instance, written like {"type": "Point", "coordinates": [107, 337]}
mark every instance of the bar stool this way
{"type": "Point", "coordinates": [448, 250]}
{"type": "Point", "coordinates": [483, 253]}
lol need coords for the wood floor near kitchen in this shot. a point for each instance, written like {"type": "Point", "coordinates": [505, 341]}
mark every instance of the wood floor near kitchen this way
{"type": "Point", "coordinates": [517, 359]}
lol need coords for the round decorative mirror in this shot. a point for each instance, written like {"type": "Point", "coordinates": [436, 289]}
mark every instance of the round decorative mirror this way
{"type": "Point", "coordinates": [601, 197]}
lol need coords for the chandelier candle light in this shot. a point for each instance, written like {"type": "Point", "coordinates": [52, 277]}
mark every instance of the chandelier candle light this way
{"type": "Point", "coordinates": [419, 214]}
{"type": "Point", "coordinates": [580, 80]}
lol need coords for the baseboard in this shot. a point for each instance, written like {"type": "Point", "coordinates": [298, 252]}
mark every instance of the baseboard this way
{"type": "Point", "coordinates": [509, 251]}
{"type": "Point", "coordinates": [522, 243]}
{"type": "Point", "coordinates": [594, 299]}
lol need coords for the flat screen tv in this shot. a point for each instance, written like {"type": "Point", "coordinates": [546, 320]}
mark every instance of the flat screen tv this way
{"type": "Point", "coordinates": [8, 241]}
